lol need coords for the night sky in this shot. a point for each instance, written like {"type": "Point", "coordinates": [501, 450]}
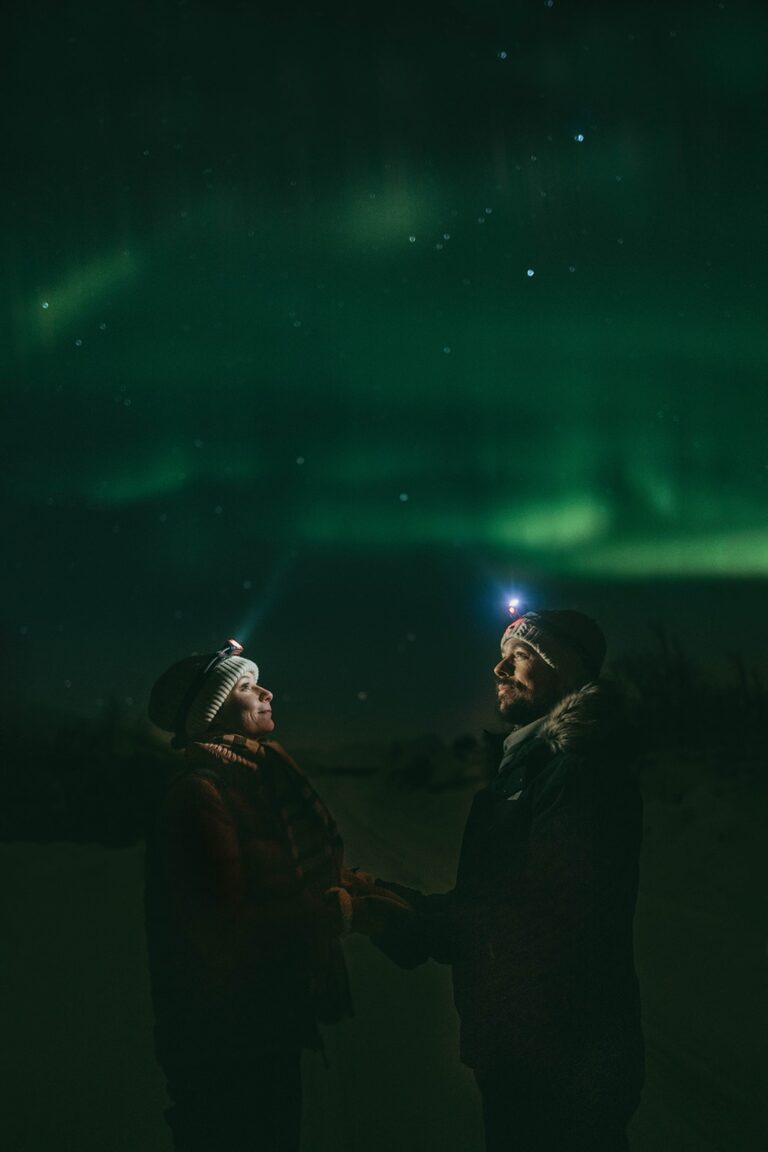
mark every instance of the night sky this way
{"type": "Point", "coordinates": [332, 329]}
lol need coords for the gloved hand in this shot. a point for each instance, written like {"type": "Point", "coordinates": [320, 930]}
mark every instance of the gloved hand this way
{"type": "Point", "coordinates": [371, 911]}
{"type": "Point", "coordinates": [354, 879]}
{"type": "Point", "coordinates": [377, 910]}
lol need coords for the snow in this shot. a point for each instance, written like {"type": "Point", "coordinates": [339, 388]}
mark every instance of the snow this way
{"type": "Point", "coordinates": [77, 1018]}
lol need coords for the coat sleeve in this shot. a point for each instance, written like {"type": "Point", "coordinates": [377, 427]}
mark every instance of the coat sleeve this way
{"type": "Point", "coordinates": [572, 879]}
{"type": "Point", "coordinates": [420, 939]}
{"type": "Point", "coordinates": [224, 918]}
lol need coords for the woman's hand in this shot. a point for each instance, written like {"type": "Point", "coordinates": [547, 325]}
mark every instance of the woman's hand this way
{"type": "Point", "coordinates": [354, 879]}
{"type": "Point", "coordinates": [371, 910]}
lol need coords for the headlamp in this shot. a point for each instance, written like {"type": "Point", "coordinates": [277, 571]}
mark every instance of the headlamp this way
{"type": "Point", "coordinates": [230, 648]}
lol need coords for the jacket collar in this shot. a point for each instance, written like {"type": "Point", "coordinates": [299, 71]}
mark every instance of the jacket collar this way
{"type": "Point", "coordinates": [579, 722]}
{"type": "Point", "coordinates": [525, 732]}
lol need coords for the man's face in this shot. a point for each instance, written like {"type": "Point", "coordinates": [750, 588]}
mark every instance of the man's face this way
{"type": "Point", "coordinates": [526, 686]}
{"type": "Point", "coordinates": [247, 711]}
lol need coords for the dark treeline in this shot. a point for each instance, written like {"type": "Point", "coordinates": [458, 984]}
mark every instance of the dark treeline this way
{"type": "Point", "coordinates": [98, 779]}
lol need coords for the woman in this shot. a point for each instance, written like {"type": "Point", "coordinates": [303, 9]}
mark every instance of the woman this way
{"type": "Point", "coordinates": [245, 908]}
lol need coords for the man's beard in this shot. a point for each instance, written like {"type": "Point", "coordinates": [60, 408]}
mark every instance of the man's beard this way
{"type": "Point", "coordinates": [519, 706]}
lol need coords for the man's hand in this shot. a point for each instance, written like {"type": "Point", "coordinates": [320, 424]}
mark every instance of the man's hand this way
{"type": "Point", "coordinates": [376, 911]}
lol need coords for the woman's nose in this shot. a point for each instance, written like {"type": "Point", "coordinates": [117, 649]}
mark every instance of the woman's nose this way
{"type": "Point", "coordinates": [264, 693]}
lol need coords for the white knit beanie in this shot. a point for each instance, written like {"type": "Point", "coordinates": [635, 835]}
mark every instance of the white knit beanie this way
{"type": "Point", "coordinates": [169, 708]}
{"type": "Point", "coordinates": [213, 692]}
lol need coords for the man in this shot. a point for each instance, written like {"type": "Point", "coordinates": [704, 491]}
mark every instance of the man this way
{"type": "Point", "coordinates": [244, 913]}
{"type": "Point", "coordinates": [539, 925]}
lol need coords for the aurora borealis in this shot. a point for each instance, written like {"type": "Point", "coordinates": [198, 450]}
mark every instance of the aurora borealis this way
{"type": "Point", "coordinates": [276, 350]}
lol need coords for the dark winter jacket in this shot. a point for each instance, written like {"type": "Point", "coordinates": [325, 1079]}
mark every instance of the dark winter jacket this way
{"type": "Point", "coordinates": [243, 948]}
{"type": "Point", "coordinates": [539, 925]}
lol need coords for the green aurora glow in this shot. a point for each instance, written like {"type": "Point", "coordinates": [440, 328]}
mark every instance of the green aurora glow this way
{"type": "Point", "coordinates": [364, 343]}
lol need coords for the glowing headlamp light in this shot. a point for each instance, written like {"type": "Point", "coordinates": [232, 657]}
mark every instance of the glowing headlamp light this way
{"type": "Point", "coordinates": [231, 648]}
{"type": "Point", "coordinates": [513, 607]}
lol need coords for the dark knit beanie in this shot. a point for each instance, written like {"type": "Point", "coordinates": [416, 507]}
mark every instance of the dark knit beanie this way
{"type": "Point", "coordinates": [570, 642]}
{"type": "Point", "coordinates": [185, 702]}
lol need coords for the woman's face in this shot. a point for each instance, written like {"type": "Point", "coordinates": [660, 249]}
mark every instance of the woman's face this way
{"type": "Point", "coordinates": [247, 711]}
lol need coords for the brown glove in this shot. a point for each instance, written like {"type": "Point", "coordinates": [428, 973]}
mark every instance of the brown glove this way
{"type": "Point", "coordinates": [371, 913]}
{"type": "Point", "coordinates": [354, 879]}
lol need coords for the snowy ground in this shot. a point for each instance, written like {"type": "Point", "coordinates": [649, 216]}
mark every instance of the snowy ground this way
{"type": "Point", "coordinates": [78, 1068]}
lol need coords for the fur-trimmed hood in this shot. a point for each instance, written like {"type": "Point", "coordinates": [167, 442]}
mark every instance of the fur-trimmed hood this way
{"type": "Point", "coordinates": [592, 716]}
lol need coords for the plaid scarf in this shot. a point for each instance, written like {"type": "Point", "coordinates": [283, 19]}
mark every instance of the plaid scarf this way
{"type": "Point", "coordinates": [310, 831]}
{"type": "Point", "coordinates": [310, 836]}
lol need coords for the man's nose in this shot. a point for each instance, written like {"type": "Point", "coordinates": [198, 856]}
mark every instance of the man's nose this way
{"type": "Point", "coordinates": [504, 668]}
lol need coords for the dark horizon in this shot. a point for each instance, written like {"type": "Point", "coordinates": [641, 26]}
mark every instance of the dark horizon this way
{"type": "Point", "coordinates": [371, 646]}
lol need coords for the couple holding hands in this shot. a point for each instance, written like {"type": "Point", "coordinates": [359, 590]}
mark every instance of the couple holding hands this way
{"type": "Point", "coordinates": [248, 898]}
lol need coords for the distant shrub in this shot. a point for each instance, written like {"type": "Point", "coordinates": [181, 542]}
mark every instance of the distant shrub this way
{"type": "Point", "coordinates": [680, 705]}
{"type": "Point", "coordinates": [81, 779]}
